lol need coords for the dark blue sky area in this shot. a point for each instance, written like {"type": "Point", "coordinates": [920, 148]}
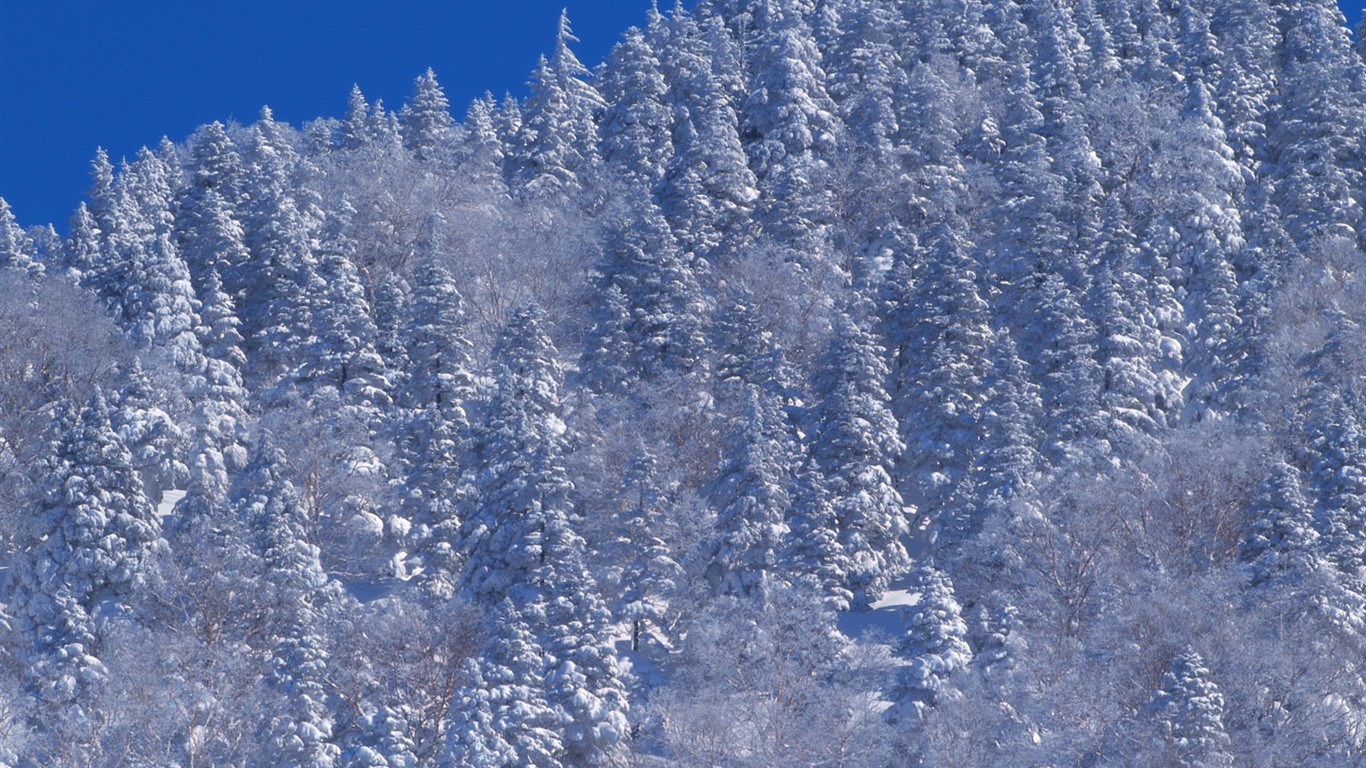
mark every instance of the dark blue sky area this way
{"type": "Point", "coordinates": [77, 74]}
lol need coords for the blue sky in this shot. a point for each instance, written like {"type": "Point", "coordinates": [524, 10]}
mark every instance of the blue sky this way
{"type": "Point", "coordinates": [77, 74]}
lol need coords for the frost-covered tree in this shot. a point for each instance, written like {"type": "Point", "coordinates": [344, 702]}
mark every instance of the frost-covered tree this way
{"type": "Point", "coordinates": [439, 388]}
{"type": "Point", "coordinates": [296, 595]}
{"type": "Point", "coordinates": [1190, 710]}
{"type": "Point", "coordinates": [935, 644]}
{"type": "Point", "coordinates": [751, 498]}
{"type": "Point", "coordinates": [557, 141]}
{"type": "Point", "coordinates": [526, 562]}
{"type": "Point", "coordinates": [17, 250]}
{"type": "Point", "coordinates": [155, 442]}
{"type": "Point", "coordinates": [1281, 543]}
{"type": "Point", "coordinates": [1317, 134]}
{"type": "Point", "coordinates": [854, 441]}
{"type": "Point", "coordinates": [707, 190]}
{"type": "Point", "coordinates": [637, 123]}
{"type": "Point", "coordinates": [92, 548]}
{"type": "Point", "coordinates": [425, 121]}
{"type": "Point", "coordinates": [938, 329]}
{"type": "Point", "coordinates": [791, 133]}
{"type": "Point", "coordinates": [660, 321]}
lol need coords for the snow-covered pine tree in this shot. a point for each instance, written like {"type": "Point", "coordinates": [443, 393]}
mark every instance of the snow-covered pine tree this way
{"type": "Point", "coordinates": [296, 594]}
{"type": "Point", "coordinates": [854, 441]}
{"type": "Point", "coordinates": [94, 545]}
{"type": "Point", "coordinates": [281, 227]}
{"type": "Point", "coordinates": [341, 332]}
{"type": "Point", "coordinates": [938, 329]}
{"type": "Point", "coordinates": [645, 569]}
{"type": "Point", "coordinates": [1281, 543]}
{"type": "Point", "coordinates": [707, 191]}
{"type": "Point", "coordinates": [156, 443]}
{"type": "Point", "coordinates": [17, 250]}
{"type": "Point", "coordinates": [1190, 711]}
{"type": "Point", "coordinates": [526, 562]}
{"type": "Point", "coordinates": [663, 301]}
{"type": "Point", "coordinates": [440, 384]}
{"type": "Point", "coordinates": [751, 498]}
{"type": "Point", "coordinates": [935, 644]}
{"type": "Point", "coordinates": [556, 151]}
{"type": "Point", "coordinates": [637, 123]}
{"type": "Point", "coordinates": [1317, 137]}
{"type": "Point", "coordinates": [425, 121]}
{"type": "Point", "coordinates": [1125, 335]}
{"type": "Point", "coordinates": [791, 134]}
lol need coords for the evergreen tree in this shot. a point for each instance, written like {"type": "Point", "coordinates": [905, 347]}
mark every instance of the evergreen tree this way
{"type": "Point", "coordinates": [17, 250]}
{"type": "Point", "coordinates": [557, 141]}
{"type": "Point", "coordinates": [281, 226]}
{"type": "Point", "coordinates": [93, 548]}
{"type": "Point", "coordinates": [1190, 710]}
{"type": "Point", "coordinates": [854, 441]}
{"type": "Point", "coordinates": [791, 133]}
{"type": "Point", "coordinates": [751, 499]}
{"type": "Point", "coordinates": [939, 330]}
{"type": "Point", "coordinates": [637, 123]}
{"type": "Point", "coordinates": [296, 594]}
{"type": "Point", "coordinates": [425, 121]}
{"type": "Point", "coordinates": [1318, 137]}
{"type": "Point", "coordinates": [1280, 543]}
{"type": "Point", "coordinates": [663, 301]}
{"type": "Point", "coordinates": [354, 131]}
{"type": "Point", "coordinates": [341, 333]}
{"type": "Point", "coordinates": [485, 152]}
{"type": "Point", "coordinates": [1126, 334]}
{"type": "Point", "coordinates": [439, 386]}
{"type": "Point", "coordinates": [525, 560]}
{"type": "Point", "coordinates": [155, 442]}
{"type": "Point", "coordinates": [935, 643]}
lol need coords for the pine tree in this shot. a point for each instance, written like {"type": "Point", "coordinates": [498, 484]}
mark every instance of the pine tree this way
{"type": "Point", "coordinates": [637, 123]}
{"type": "Point", "coordinates": [935, 643]}
{"type": "Point", "coordinates": [485, 152]}
{"type": "Point", "coordinates": [647, 573]}
{"type": "Point", "coordinates": [663, 300]}
{"type": "Point", "coordinates": [1280, 543]}
{"type": "Point", "coordinates": [525, 559]}
{"type": "Point", "coordinates": [854, 441]}
{"type": "Point", "coordinates": [93, 548]}
{"type": "Point", "coordinates": [17, 250]}
{"type": "Point", "coordinates": [1125, 335]}
{"type": "Point", "coordinates": [156, 443]}
{"type": "Point", "coordinates": [439, 387]}
{"type": "Point", "coordinates": [1318, 137]}
{"type": "Point", "coordinates": [1336, 443]}
{"type": "Point", "coordinates": [296, 594]}
{"type": "Point", "coordinates": [751, 499]}
{"type": "Point", "coordinates": [791, 133]}
{"type": "Point", "coordinates": [1190, 710]}
{"type": "Point", "coordinates": [425, 121]}
{"type": "Point", "coordinates": [557, 141]}
{"type": "Point", "coordinates": [939, 330]}
{"type": "Point", "coordinates": [281, 227]}
{"type": "Point", "coordinates": [354, 131]}
{"type": "Point", "coordinates": [707, 191]}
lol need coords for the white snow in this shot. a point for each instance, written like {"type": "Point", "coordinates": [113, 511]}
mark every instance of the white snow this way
{"type": "Point", "coordinates": [168, 501]}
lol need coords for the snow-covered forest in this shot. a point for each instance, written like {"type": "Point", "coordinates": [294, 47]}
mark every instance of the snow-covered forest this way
{"type": "Point", "coordinates": [846, 383]}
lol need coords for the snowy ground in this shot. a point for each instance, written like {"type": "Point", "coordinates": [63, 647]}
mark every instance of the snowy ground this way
{"type": "Point", "coordinates": [886, 617]}
{"type": "Point", "coordinates": [168, 501]}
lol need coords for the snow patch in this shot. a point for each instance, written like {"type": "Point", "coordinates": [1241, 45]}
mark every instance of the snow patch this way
{"type": "Point", "coordinates": [168, 501]}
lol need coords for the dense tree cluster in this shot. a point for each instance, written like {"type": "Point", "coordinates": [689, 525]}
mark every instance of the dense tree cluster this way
{"type": "Point", "coordinates": [816, 382]}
